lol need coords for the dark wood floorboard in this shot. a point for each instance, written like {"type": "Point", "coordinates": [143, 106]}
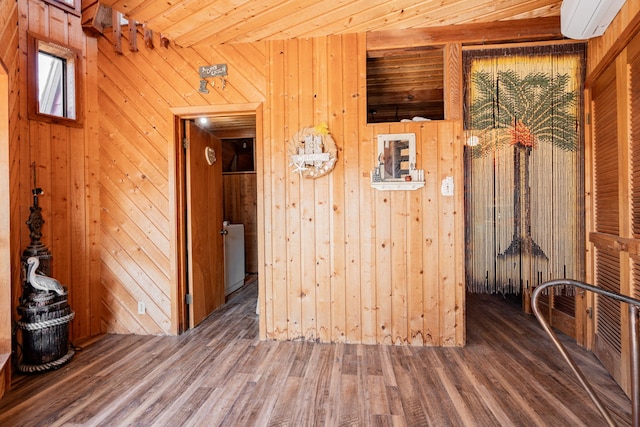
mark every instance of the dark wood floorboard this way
{"type": "Point", "coordinates": [509, 374]}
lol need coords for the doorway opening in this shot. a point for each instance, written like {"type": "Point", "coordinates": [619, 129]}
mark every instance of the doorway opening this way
{"type": "Point", "coordinates": [524, 174]}
{"type": "Point", "coordinates": [216, 194]}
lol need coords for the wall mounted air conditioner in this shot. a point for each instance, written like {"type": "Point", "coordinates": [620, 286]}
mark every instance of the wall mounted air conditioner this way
{"type": "Point", "coordinates": [583, 19]}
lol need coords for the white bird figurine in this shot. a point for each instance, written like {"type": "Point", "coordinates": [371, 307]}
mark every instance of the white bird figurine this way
{"type": "Point", "coordinates": [38, 281]}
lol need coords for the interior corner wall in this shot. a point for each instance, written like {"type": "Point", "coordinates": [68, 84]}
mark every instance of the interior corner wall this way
{"type": "Point", "coordinates": [65, 161]}
{"type": "Point", "coordinates": [602, 50]}
{"type": "Point", "coordinates": [136, 92]}
{"type": "Point", "coordinates": [340, 261]}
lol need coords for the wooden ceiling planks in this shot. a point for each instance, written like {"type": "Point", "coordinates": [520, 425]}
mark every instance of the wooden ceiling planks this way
{"type": "Point", "coordinates": [188, 15]}
{"type": "Point", "coordinates": [243, 19]}
{"type": "Point", "coordinates": [338, 20]}
{"type": "Point", "coordinates": [214, 22]}
{"type": "Point", "coordinates": [127, 7]}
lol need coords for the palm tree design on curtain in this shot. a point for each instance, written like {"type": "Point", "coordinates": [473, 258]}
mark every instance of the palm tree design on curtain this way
{"type": "Point", "coordinates": [522, 112]}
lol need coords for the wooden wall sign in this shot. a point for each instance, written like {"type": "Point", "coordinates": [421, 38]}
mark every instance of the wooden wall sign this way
{"type": "Point", "coordinates": [216, 70]}
{"type": "Point", "coordinates": [207, 71]}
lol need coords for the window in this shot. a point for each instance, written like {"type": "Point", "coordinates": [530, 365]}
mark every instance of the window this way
{"type": "Point", "coordinates": [71, 6]}
{"type": "Point", "coordinates": [53, 83]}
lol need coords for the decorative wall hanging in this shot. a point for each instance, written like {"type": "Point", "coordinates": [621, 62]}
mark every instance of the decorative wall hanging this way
{"type": "Point", "coordinates": [210, 155]}
{"type": "Point", "coordinates": [203, 86]}
{"type": "Point", "coordinates": [313, 151]}
{"type": "Point", "coordinates": [210, 71]}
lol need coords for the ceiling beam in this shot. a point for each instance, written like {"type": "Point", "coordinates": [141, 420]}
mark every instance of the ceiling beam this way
{"type": "Point", "coordinates": [469, 34]}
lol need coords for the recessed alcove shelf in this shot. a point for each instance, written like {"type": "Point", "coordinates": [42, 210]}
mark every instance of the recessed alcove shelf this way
{"type": "Point", "coordinates": [403, 84]}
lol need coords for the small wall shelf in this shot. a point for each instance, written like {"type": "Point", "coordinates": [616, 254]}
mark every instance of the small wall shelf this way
{"type": "Point", "coordinates": [397, 185]}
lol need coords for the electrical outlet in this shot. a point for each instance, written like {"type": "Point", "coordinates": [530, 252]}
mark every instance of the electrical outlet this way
{"type": "Point", "coordinates": [447, 186]}
{"type": "Point", "coordinates": [141, 308]}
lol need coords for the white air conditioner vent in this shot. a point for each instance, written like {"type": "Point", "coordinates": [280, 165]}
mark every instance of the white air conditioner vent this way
{"type": "Point", "coordinates": [584, 19]}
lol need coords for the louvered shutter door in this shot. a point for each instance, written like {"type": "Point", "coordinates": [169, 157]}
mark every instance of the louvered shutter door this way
{"type": "Point", "coordinates": [607, 219]}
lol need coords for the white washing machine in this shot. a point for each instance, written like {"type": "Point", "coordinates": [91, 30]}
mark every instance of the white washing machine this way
{"type": "Point", "coordinates": [233, 257]}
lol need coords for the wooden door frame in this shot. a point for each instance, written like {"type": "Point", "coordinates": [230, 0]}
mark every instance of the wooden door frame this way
{"type": "Point", "coordinates": [177, 202]}
{"type": "Point", "coordinates": [585, 301]}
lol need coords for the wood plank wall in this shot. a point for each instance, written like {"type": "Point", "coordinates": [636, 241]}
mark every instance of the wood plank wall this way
{"type": "Point", "coordinates": [136, 91]}
{"type": "Point", "coordinates": [66, 162]}
{"type": "Point", "coordinates": [601, 51]}
{"type": "Point", "coordinates": [9, 161]}
{"type": "Point", "coordinates": [344, 262]}
{"type": "Point", "coordinates": [341, 262]}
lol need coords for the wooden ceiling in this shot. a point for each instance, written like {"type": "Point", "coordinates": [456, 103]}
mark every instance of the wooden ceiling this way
{"type": "Point", "coordinates": [229, 126]}
{"type": "Point", "coordinates": [191, 22]}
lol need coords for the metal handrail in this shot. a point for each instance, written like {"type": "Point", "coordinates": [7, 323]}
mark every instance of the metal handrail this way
{"type": "Point", "coordinates": [634, 309]}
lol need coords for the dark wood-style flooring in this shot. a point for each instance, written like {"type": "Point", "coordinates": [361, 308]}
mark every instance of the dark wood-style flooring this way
{"type": "Point", "coordinates": [219, 373]}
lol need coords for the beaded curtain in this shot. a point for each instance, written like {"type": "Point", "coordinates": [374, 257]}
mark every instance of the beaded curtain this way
{"type": "Point", "coordinates": [524, 168]}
